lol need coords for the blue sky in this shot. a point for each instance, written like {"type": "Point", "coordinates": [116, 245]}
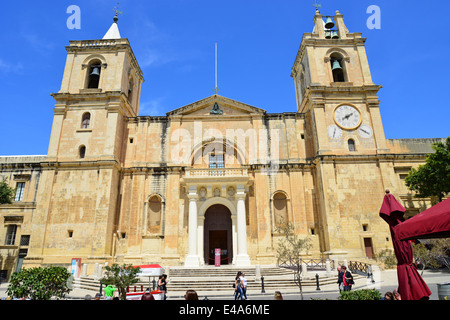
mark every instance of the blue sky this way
{"type": "Point", "coordinates": [257, 43]}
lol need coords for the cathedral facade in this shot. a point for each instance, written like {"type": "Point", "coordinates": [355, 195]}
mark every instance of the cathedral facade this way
{"type": "Point", "coordinates": [117, 187]}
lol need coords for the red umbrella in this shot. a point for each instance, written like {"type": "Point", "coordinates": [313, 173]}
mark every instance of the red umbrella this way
{"type": "Point", "coordinates": [410, 284]}
{"type": "Point", "coordinates": [431, 223]}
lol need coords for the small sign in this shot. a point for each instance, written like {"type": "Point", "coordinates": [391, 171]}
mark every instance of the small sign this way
{"type": "Point", "coordinates": [150, 270]}
{"type": "Point", "coordinates": [217, 257]}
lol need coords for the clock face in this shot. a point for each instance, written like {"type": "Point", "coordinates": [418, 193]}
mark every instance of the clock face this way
{"type": "Point", "coordinates": [334, 132]}
{"type": "Point", "coordinates": [365, 131]}
{"type": "Point", "coordinates": [347, 117]}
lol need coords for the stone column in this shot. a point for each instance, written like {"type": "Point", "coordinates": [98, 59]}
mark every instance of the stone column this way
{"type": "Point", "coordinates": [242, 258]}
{"type": "Point", "coordinates": [192, 259]}
{"type": "Point", "coordinates": [201, 240]}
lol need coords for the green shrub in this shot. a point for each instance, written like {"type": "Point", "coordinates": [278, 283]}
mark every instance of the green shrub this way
{"type": "Point", "coordinates": [361, 294]}
{"type": "Point", "coordinates": [41, 283]}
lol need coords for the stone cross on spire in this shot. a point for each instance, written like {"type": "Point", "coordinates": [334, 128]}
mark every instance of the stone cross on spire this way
{"type": "Point", "coordinates": [315, 4]}
{"type": "Point", "coordinates": [116, 10]}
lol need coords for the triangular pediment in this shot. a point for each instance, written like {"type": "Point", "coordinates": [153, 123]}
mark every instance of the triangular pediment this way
{"type": "Point", "coordinates": [216, 105]}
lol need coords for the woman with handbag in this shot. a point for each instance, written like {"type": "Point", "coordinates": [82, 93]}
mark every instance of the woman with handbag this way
{"type": "Point", "coordinates": [238, 287]}
{"type": "Point", "coordinates": [162, 285]}
{"type": "Point", "coordinates": [347, 279]}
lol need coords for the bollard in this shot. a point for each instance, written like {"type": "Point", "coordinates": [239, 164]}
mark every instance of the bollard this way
{"type": "Point", "coordinates": [317, 282]}
{"type": "Point", "coordinates": [262, 285]}
{"type": "Point", "coordinates": [370, 274]}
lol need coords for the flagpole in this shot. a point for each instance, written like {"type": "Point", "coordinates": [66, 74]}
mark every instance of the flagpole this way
{"type": "Point", "coordinates": [216, 66]}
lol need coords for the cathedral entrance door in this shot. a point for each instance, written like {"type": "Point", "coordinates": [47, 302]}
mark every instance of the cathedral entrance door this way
{"type": "Point", "coordinates": [218, 239]}
{"type": "Point", "coordinates": [217, 234]}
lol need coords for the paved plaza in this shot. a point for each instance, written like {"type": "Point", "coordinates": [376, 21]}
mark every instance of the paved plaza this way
{"type": "Point", "coordinates": [383, 281]}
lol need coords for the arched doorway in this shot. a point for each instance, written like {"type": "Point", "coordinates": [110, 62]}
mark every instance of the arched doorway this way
{"type": "Point", "coordinates": [217, 234]}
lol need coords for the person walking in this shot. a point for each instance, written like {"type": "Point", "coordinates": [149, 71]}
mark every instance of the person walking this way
{"type": "Point", "coordinates": [340, 281]}
{"type": "Point", "coordinates": [162, 285]}
{"type": "Point", "coordinates": [347, 279]}
{"type": "Point", "coordinates": [243, 286]}
{"type": "Point", "coordinates": [238, 287]}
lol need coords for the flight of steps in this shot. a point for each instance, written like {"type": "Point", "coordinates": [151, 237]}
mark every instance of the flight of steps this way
{"type": "Point", "coordinates": [221, 279]}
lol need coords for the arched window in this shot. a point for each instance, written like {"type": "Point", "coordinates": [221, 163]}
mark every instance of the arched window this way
{"type": "Point", "coordinates": [351, 145]}
{"type": "Point", "coordinates": [280, 208]}
{"type": "Point", "coordinates": [337, 67]}
{"type": "Point", "coordinates": [94, 70]}
{"type": "Point", "coordinates": [86, 120]}
{"type": "Point", "coordinates": [130, 90]}
{"type": "Point", "coordinates": [302, 84]}
{"type": "Point", "coordinates": [82, 152]}
{"type": "Point", "coordinates": [216, 160]}
{"type": "Point", "coordinates": [154, 214]}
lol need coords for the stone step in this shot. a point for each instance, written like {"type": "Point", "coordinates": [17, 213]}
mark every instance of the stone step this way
{"type": "Point", "coordinates": [219, 279]}
{"type": "Point", "coordinates": [227, 271]}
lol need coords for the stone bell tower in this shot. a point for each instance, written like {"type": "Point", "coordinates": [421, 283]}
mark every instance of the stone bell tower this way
{"type": "Point", "coordinates": [335, 88]}
{"type": "Point", "coordinates": [101, 86]}
{"type": "Point", "coordinates": [343, 129]}
{"type": "Point", "coordinates": [78, 212]}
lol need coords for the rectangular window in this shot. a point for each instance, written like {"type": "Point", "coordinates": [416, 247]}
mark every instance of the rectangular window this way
{"type": "Point", "coordinates": [25, 240]}
{"type": "Point", "coordinates": [11, 235]}
{"type": "Point", "coordinates": [20, 187]}
{"type": "Point", "coordinates": [216, 161]}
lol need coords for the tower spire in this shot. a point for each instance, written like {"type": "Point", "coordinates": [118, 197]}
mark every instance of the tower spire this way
{"type": "Point", "coordinates": [113, 32]}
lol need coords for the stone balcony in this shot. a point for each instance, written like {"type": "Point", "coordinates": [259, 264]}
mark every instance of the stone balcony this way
{"type": "Point", "coordinates": [197, 175]}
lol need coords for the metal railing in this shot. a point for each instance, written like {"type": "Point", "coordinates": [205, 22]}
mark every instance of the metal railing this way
{"type": "Point", "coordinates": [311, 264]}
{"type": "Point", "coordinates": [321, 264]}
{"type": "Point", "coordinates": [359, 267]}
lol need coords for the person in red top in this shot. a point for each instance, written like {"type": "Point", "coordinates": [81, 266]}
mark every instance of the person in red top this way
{"type": "Point", "coordinates": [347, 279]}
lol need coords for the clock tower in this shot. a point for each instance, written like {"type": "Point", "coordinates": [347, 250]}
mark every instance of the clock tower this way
{"type": "Point", "coordinates": [334, 90]}
{"type": "Point", "coordinates": [343, 133]}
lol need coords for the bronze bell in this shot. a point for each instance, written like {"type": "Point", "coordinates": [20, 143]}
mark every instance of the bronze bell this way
{"type": "Point", "coordinates": [329, 24]}
{"type": "Point", "coordinates": [95, 71]}
{"type": "Point", "coordinates": [327, 34]}
{"type": "Point", "coordinates": [336, 65]}
{"type": "Point", "coordinates": [334, 35]}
